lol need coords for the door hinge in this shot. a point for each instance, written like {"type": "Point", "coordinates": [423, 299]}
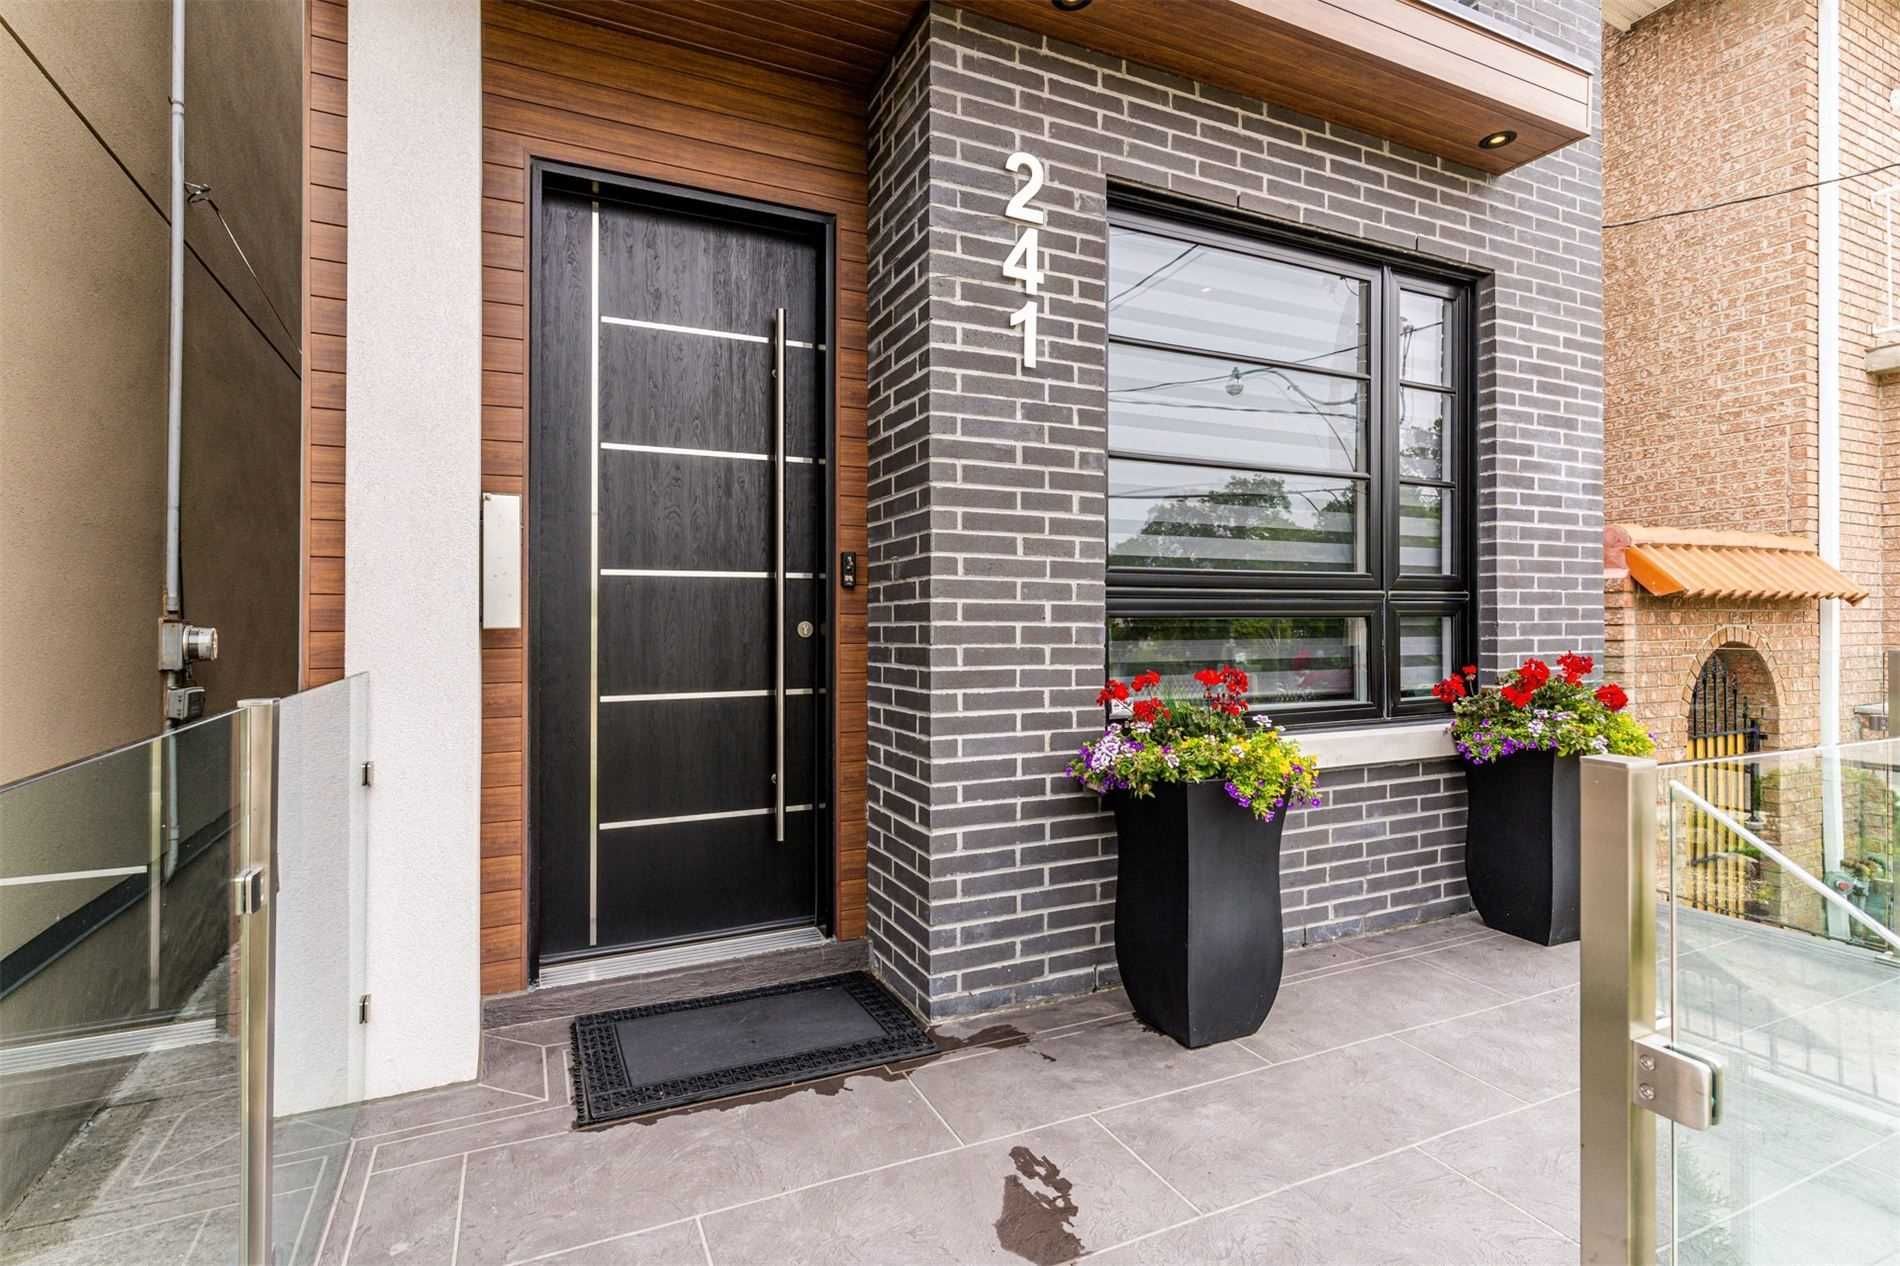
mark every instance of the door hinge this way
{"type": "Point", "coordinates": [362, 1009]}
{"type": "Point", "coordinates": [1675, 1084]}
{"type": "Point", "coordinates": [369, 773]}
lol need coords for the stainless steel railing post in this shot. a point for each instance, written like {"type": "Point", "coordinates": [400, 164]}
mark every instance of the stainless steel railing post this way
{"type": "Point", "coordinates": [256, 904]}
{"type": "Point", "coordinates": [1618, 920]}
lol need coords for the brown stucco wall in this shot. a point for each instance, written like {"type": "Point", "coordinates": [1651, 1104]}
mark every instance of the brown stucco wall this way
{"type": "Point", "coordinates": [82, 362]}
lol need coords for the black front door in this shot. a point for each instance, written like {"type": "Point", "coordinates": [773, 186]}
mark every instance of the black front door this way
{"type": "Point", "coordinates": [678, 499]}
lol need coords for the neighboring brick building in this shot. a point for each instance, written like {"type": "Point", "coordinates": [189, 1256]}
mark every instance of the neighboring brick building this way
{"type": "Point", "coordinates": [1749, 353]}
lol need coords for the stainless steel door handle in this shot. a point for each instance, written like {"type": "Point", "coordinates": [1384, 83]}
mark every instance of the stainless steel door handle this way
{"type": "Point", "coordinates": [778, 575]}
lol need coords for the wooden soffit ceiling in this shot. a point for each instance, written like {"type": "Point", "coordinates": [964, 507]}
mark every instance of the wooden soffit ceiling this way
{"type": "Point", "coordinates": [1430, 74]}
{"type": "Point", "coordinates": [1685, 563]}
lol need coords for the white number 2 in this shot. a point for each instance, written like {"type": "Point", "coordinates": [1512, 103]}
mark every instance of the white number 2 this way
{"type": "Point", "coordinates": [1025, 316]}
{"type": "Point", "coordinates": [1019, 208]}
{"type": "Point", "coordinates": [1021, 264]}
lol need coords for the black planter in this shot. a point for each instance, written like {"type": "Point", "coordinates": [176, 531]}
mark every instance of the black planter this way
{"type": "Point", "coordinates": [1197, 912]}
{"type": "Point", "coordinates": [1521, 855]}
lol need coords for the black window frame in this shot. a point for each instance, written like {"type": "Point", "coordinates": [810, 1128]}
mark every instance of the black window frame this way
{"type": "Point", "coordinates": [1381, 594]}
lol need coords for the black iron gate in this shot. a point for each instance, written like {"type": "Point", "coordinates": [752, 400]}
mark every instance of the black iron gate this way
{"type": "Point", "coordinates": [1723, 732]}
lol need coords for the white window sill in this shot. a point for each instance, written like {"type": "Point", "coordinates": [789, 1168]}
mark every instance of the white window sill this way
{"type": "Point", "coordinates": [1377, 744]}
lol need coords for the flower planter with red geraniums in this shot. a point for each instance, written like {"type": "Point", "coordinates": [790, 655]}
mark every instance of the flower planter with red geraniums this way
{"type": "Point", "coordinates": [1522, 741]}
{"type": "Point", "coordinates": [1200, 794]}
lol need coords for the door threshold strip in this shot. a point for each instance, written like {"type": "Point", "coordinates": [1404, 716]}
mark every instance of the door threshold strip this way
{"type": "Point", "coordinates": [674, 957]}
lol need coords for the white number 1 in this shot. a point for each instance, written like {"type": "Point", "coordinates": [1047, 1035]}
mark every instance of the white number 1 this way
{"type": "Point", "coordinates": [1025, 316]}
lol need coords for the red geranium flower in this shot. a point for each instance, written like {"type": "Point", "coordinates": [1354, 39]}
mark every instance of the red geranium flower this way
{"type": "Point", "coordinates": [1147, 680]}
{"type": "Point", "coordinates": [1520, 695]}
{"type": "Point", "coordinates": [1113, 690]}
{"type": "Point", "coordinates": [1534, 673]}
{"type": "Point", "coordinates": [1469, 670]}
{"type": "Point", "coordinates": [1611, 696]}
{"type": "Point", "coordinates": [1207, 677]}
{"type": "Point", "coordinates": [1450, 690]}
{"type": "Point", "coordinates": [1148, 711]}
{"type": "Point", "coordinates": [1575, 667]}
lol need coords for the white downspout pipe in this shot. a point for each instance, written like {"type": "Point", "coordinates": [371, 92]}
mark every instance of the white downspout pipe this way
{"type": "Point", "coordinates": [1828, 378]}
{"type": "Point", "coordinates": [175, 380]}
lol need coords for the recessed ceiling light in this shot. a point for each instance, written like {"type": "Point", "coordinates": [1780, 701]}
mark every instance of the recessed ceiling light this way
{"type": "Point", "coordinates": [1071, 6]}
{"type": "Point", "coordinates": [1497, 140]}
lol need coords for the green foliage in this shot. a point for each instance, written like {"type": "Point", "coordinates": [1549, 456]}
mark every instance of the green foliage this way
{"type": "Point", "coordinates": [1210, 740]}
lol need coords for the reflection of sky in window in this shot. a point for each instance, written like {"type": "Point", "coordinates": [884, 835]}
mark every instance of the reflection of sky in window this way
{"type": "Point", "coordinates": [1177, 405]}
{"type": "Point", "coordinates": [1190, 295]}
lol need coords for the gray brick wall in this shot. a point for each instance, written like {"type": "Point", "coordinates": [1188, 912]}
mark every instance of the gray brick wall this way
{"type": "Point", "coordinates": [991, 880]}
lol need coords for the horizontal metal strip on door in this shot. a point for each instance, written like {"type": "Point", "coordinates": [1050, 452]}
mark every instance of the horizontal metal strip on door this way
{"type": "Point", "coordinates": [734, 335]}
{"type": "Point", "coordinates": [701, 694]}
{"type": "Point", "coordinates": [702, 817]}
{"type": "Point", "coordinates": [707, 575]}
{"type": "Point", "coordinates": [678, 391]}
{"type": "Point", "coordinates": [664, 451]}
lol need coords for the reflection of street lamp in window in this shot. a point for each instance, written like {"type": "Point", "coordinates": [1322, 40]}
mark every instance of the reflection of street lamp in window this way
{"type": "Point", "coordinates": [1235, 384]}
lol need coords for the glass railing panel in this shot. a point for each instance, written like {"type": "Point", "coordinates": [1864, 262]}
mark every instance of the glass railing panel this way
{"type": "Point", "coordinates": [119, 1064]}
{"type": "Point", "coordinates": [1775, 967]}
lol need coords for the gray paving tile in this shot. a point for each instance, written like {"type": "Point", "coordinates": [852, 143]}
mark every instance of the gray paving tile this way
{"type": "Point", "coordinates": [1403, 1208]}
{"type": "Point", "coordinates": [557, 1031]}
{"type": "Point", "coordinates": [1848, 1216]}
{"type": "Point", "coordinates": [516, 1066]}
{"type": "Point", "coordinates": [1529, 1048]}
{"type": "Point", "coordinates": [408, 1215]}
{"type": "Point", "coordinates": [1227, 1142]}
{"type": "Point", "coordinates": [1778, 1127]}
{"type": "Point", "coordinates": [1532, 1158]}
{"type": "Point", "coordinates": [471, 1136]}
{"type": "Point", "coordinates": [675, 1245]}
{"type": "Point", "coordinates": [436, 1107]}
{"type": "Point", "coordinates": [1068, 1073]}
{"type": "Point", "coordinates": [1511, 965]}
{"type": "Point", "coordinates": [1850, 1045]}
{"type": "Point", "coordinates": [1765, 977]}
{"type": "Point", "coordinates": [1044, 1196]}
{"type": "Point", "coordinates": [1317, 1013]}
{"type": "Point", "coordinates": [554, 1193]}
{"type": "Point", "coordinates": [1419, 936]}
{"type": "Point", "coordinates": [163, 1243]}
{"type": "Point", "coordinates": [1007, 1026]}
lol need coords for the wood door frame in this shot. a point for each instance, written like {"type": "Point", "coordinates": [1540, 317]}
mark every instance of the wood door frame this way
{"type": "Point", "coordinates": [823, 225]}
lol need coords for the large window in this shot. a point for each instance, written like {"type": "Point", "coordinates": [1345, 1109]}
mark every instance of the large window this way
{"type": "Point", "coordinates": [1289, 470]}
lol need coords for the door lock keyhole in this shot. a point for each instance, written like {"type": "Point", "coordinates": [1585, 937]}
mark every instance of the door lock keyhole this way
{"type": "Point", "coordinates": [804, 628]}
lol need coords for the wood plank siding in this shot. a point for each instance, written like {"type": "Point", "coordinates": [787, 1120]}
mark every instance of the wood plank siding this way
{"type": "Point", "coordinates": [326, 111]}
{"type": "Point", "coordinates": [558, 88]}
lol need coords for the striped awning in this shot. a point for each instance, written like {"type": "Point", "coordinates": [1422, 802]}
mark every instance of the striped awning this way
{"type": "Point", "coordinates": [1689, 563]}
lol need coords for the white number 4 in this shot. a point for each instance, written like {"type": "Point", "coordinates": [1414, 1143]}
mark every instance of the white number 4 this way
{"type": "Point", "coordinates": [1025, 316]}
{"type": "Point", "coordinates": [1021, 264]}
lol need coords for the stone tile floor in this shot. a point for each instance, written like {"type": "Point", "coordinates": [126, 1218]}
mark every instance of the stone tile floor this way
{"type": "Point", "coordinates": [1413, 1097]}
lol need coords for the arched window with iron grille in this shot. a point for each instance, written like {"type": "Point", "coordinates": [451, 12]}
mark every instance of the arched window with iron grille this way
{"type": "Point", "coordinates": [1723, 730]}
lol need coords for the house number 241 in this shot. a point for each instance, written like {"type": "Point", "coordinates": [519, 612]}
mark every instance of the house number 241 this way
{"type": "Point", "coordinates": [1022, 261]}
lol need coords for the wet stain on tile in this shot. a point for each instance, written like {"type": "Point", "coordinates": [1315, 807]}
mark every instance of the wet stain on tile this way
{"type": "Point", "coordinates": [991, 1036]}
{"type": "Point", "coordinates": [825, 1089]}
{"type": "Point", "coordinates": [1039, 1210]}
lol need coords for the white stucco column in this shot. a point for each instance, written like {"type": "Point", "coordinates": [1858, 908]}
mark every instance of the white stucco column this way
{"type": "Point", "coordinates": [412, 510]}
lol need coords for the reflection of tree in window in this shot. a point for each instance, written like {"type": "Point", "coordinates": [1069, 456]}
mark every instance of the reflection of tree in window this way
{"type": "Point", "coordinates": [1246, 507]}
